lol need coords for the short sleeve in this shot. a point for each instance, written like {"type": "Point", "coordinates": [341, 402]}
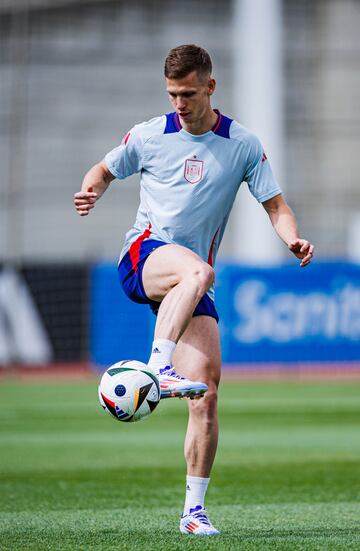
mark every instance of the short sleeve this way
{"type": "Point", "coordinates": [258, 175]}
{"type": "Point", "coordinates": [126, 159]}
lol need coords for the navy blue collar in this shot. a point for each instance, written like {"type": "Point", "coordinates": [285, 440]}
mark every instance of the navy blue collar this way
{"type": "Point", "coordinates": [220, 128]}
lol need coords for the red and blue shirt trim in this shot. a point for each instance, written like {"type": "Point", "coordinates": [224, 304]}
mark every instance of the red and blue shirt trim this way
{"type": "Point", "coordinates": [220, 128]}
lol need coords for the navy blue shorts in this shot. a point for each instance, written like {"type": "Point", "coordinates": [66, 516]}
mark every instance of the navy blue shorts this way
{"type": "Point", "coordinates": [130, 274]}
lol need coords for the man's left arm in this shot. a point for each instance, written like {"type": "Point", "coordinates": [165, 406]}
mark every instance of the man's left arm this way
{"type": "Point", "coordinates": [284, 223]}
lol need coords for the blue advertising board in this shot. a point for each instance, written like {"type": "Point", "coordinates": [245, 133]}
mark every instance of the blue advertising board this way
{"type": "Point", "coordinates": [280, 314]}
{"type": "Point", "coordinates": [119, 328]}
{"type": "Point", "coordinates": [290, 314]}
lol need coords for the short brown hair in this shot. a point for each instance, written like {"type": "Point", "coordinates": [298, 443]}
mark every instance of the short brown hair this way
{"type": "Point", "coordinates": [184, 59]}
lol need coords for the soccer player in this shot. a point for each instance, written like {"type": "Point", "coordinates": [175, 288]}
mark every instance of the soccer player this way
{"type": "Point", "coordinates": [192, 162]}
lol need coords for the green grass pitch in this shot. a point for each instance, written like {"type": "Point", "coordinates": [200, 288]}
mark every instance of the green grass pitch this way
{"type": "Point", "coordinates": [287, 474]}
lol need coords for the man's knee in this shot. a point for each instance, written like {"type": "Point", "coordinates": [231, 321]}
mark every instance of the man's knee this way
{"type": "Point", "coordinates": [207, 276]}
{"type": "Point", "coordinates": [204, 275]}
{"type": "Point", "coordinates": [205, 409]}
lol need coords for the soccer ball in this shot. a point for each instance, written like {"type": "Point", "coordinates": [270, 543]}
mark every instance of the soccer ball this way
{"type": "Point", "coordinates": [129, 391]}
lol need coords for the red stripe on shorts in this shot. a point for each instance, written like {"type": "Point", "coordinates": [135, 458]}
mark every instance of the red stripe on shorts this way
{"type": "Point", "coordinates": [134, 250]}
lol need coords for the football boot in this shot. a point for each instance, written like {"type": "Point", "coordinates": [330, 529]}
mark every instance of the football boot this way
{"type": "Point", "coordinates": [173, 385]}
{"type": "Point", "coordinates": [197, 523]}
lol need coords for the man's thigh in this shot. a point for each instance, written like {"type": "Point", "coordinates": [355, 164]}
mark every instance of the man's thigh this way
{"type": "Point", "coordinates": [197, 355]}
{"type": "Point", "coordinates": [165, 267]}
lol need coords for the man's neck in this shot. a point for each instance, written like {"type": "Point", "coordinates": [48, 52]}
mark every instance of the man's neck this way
{"type": "Point", "coordinates": [203, 125]}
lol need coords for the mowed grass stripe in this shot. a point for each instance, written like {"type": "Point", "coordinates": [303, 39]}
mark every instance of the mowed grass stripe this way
{"type": "Point", "coordinates": [286, 477]}
{"type": "Point", "coordinates": [315, 435]}
{"type": "Point", "coordinates": [271, 526]}
{"type": "Point", "coordinates": [251, 484]}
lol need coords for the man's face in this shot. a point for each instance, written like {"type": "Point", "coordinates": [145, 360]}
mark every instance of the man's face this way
{"type": "Point", "coordinates": [190, 96]}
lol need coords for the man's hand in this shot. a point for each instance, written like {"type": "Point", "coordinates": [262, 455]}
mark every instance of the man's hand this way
{"type": "Point", "coordinates": [95, 184]}
{"type": "Point", "coordinates": [302, 249]}
{"type": "Point", "coordinates": [84, 201]}
{"type": "Point", "coordinates": [283, 221]}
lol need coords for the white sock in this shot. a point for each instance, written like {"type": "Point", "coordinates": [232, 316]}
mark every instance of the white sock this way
{"type": "Point", "coordinates": [162, 352]}
{"type": "Point", "coordinates": [195, 492]}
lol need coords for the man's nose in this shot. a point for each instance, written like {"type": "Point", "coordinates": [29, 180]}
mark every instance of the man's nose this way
{"type": "Point", "coordinates": [180, 103]}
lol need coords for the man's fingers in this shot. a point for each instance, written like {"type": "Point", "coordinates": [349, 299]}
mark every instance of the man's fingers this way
{"type": "Point", "coordinates": [301, 246]}
{"type": "Point", "coordinates": [294, 246]}
{"type": "Point", "coordinates": [87, 201]}
{"type": "Point", "coordinates": [307, 250]}
{"type": "Point", "coordinates": [83, 210]}
{"type": "Point", "coordinates": [307, 259]}
{"type": "Point", "coordinates": [86, 207]}
{"type": "Point", "coordinates": [305, 262]}
{"type": "Point", "coordinates": [302, 249]}
{"type": "Point", "coordinates": [307, 246]}
{"type": "Point", "coordinates": [85, 195]}
{"type": "Point", "coordinates": [84, 201]}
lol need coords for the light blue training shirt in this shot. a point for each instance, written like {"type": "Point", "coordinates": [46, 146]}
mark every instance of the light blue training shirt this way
{"type": "Point", "coordinates": [189, 182]}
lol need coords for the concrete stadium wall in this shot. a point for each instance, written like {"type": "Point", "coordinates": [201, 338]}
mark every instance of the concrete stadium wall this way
{"type": "Point", "coordinates": [73, 79]}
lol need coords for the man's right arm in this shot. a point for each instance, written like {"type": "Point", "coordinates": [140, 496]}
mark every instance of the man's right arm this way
{"type": "Point", "coordinates": [95, 183]}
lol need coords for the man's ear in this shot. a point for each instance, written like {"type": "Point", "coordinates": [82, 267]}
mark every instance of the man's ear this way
{"type": "Point", "coordinates": [211, 86]}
